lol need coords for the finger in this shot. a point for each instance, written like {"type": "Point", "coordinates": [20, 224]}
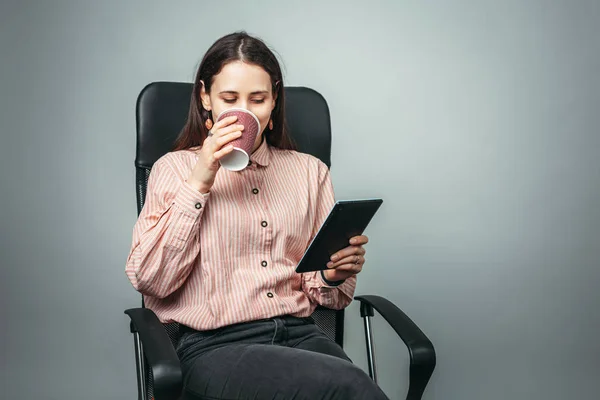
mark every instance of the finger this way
{"type": "Point", "coordinates": [350, 250]}
{"type": "Point", "coordinates": [353, 259]}
{"type": "Point", "coordinates": [352, 268]}
{"type": "Point", "coordinates": [223, 140]}
{"type": "Point", "coordinates": [359, 240]}
{"type": "Point", "coordinates": [224, 122]}
{"type": "Point", "coordinates": [345, 252]}
{"type": "Point", "coordinates": [227, 130]}
{"type": "Point", "coordinates": [223, 152]}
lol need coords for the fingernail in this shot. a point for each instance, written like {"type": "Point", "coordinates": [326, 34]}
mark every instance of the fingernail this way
{"type": "Point", "coordinates": [329, 264]}
{"type": "Point", "coordinates": [334, 257]}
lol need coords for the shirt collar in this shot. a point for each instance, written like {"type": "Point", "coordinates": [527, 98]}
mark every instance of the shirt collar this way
{"type": "Point", "coordinates": [262, 154]}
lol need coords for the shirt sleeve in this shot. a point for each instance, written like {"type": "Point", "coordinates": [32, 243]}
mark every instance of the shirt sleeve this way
{"type": "Point", "coordinates": [336, 295]}
{"type": "Point", "coordinates": [165, 243]}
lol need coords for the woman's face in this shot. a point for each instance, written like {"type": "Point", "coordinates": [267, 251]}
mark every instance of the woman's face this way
{"type": "Point", "coordinates": [241, 85]}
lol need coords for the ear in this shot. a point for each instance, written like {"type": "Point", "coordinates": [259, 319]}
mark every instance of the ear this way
{"type": "Point", "coordinates": [204, 97]}
{"type": "Point", "coordinates": [273, 103]}
{"type": "Point", "coordinates": [275, 95]}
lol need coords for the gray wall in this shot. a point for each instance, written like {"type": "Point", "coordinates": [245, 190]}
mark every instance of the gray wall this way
{"type": "Point", "coordinates": [477, 122]}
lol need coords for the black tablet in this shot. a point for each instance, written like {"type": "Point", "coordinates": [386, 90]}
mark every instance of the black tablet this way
{"type": "Point", "coordinates": [347, 218]}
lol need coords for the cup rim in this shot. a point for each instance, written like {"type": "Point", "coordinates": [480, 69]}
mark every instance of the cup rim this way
{"type": "Point", "coordinates": [243, 110]}
{"type": "Point", "coordinates": [241, 167]}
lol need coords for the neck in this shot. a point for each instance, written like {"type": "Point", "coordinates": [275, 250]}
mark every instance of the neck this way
{"type": "Point", "coordinates": [257, 145]}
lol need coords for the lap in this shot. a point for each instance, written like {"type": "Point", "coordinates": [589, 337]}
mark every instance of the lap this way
{"type": "Point", "coordinates": [265, 371]}
{"type": "Point", "coordinates": [271, 361]}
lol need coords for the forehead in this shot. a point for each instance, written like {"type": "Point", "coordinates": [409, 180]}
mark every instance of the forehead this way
{"type": "Point", "coordinates": [241, 77]}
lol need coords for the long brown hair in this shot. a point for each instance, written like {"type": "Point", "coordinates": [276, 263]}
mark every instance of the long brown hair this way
{"type": "Point", "coordinates": [238, 46]}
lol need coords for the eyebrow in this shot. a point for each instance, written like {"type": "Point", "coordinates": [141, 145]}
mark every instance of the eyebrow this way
{"type": "Point", "coordinates": [234, 92]}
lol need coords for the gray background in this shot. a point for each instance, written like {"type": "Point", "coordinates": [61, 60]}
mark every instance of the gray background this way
{"type": "Point", "coordinates": [477, 122]}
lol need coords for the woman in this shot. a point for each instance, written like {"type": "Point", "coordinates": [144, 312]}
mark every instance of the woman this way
{"type": "Point", "coordinates": [215, 250]}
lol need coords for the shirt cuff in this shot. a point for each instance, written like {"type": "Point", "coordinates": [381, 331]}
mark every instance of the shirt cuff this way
{"type": "Point", "coordinates": [190, 200]}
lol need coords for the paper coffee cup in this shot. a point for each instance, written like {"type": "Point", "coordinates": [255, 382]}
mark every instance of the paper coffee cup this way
{"type": "Point", "coordinates": [238, 159]}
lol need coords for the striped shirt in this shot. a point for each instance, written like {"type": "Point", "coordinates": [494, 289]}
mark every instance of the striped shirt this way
{"type": "Point", "coordinates": [229, 256]}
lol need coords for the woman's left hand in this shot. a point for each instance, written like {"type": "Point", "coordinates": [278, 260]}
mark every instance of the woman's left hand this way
{"type": "Point", "coordinates": [348, 261]}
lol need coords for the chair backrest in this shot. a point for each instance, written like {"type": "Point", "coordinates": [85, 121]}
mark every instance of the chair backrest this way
{"type": "Point", "coordinates": [161, 111]}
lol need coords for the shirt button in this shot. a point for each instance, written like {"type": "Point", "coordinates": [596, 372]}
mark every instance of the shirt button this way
{"type": "Point", "coordinates": [264, 263]}
{"type": "Point", "coordinates": [264, 224]}
{"type": "Point", "coordinates": [270, 295]}
{"type": "Point", "coordinates": [255, 191]}
{"type": "Point", "coordinates": [198, 206]}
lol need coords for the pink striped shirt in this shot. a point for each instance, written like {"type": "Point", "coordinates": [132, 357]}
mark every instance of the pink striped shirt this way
{"type": "Point", "coordinates": [229, 256]}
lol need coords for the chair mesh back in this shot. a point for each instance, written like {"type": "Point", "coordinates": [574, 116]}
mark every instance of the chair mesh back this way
{"type": "Point", "coordinates": [141, 177]}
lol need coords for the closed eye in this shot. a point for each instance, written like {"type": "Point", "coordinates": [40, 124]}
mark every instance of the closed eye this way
{"type": "Point", "coordinates": [255, 101]}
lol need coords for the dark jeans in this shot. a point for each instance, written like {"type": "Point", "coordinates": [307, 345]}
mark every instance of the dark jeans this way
{"type": "Point", "coordinates": [281, 358]}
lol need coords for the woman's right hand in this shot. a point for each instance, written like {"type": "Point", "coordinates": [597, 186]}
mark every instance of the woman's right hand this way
{"type": "Point", "coordinates": [213, 149]}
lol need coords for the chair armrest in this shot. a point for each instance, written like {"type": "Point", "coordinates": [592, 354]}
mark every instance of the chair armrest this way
{"type": "Point", "coordinates": [420, 348]}
{"type": "Point", "coordinates": [159, 353]}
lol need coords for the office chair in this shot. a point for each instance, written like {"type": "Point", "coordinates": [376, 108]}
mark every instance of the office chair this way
{"type": "Point", "coordinates": [161, 112]}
